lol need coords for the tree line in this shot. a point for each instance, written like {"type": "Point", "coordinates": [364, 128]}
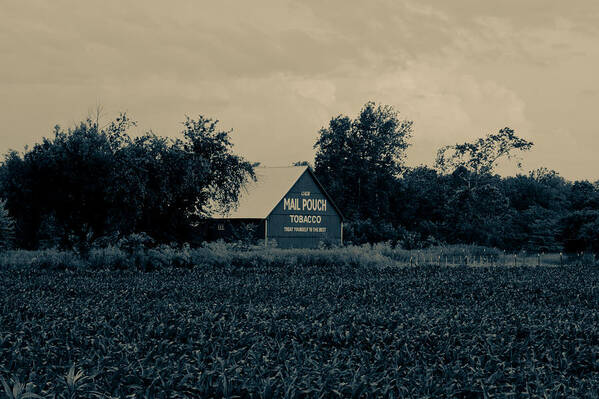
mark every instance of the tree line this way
{"type": "Point", "coordinates": [461, 199]}
{"type": "Point", "coordinates": [91, 185]}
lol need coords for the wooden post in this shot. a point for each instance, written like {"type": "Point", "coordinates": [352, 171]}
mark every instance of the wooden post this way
{"type": "Point", "coordinates": [561, 259]}
{"type": "Point", "coordinates": [515, 257]}
{"type": "Point", "coordinates": [341, 233]}
{"type": "Point", "coordinates": [265, 232]}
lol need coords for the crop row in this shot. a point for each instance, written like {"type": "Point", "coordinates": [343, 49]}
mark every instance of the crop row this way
{"type": "Point", "coordinates": [320, 330]}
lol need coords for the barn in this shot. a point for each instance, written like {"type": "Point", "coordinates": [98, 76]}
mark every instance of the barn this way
{"type": "Point", "coordinates": [287, 205]}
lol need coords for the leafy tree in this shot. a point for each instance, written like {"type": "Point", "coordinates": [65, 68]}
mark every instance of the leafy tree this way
{"type": "Point", "coordinates": [481, 156]}
{"type": "Point", "coordinates": [477, 208]}
{"type": "Point", "coordinates": [88, 182]}
{"type": "Point", "coordinates": [580, 231]}
{"type": "Point", "coordinates": [419, 201]}
{"type": "Point", "coordinates": [358, 161]}
{"type": "Point", "coordinates": [583, 195]}
{"type": "Point", "coordinates": [223, 174]}
{"type": "Point", "coordinates": [7, 227]}
{"type": "Point", "coordinates": [538, 201]}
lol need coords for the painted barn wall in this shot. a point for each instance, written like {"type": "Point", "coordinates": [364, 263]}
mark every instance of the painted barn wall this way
{"type": "Point", "coordinates": [294, 225]}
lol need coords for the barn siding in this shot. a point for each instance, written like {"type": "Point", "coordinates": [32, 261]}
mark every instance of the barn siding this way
{"type": "Point", "coordinates": [304, 234]}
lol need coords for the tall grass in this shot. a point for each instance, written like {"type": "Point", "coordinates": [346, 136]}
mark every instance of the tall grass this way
{"type": "Point", "coordinates": [219, 254]}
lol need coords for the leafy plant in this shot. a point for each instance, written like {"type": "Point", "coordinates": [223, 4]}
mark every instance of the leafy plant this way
{"type": "Point", "coordinates": [18, 390]}
{"type": "Point", "coordinates": [7, 227]}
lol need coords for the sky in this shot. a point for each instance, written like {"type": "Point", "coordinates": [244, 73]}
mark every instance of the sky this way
{"type": "Point", "coordinates": [277, 71]}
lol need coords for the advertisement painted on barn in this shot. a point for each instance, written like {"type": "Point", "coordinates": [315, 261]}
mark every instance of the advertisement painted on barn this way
{"type": "Point", "coordinates": [304, 217]}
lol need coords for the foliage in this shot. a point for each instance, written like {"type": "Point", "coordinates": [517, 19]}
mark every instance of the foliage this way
{"type": "Point", "coordinates": [581, 231]}
{"type": "Point", "coordinates": [260, 329]}
{"type": "Point", "coordinates": [366, 231]}
{"type": "Point", "coordinates": [7, 227]}
{"type": "Point", "coordinates": [89, 182]}
{"type": "Point", "coordinates": [220, 254]}
{"type": "Point", "coordinates": [88, 187]}
{"type": "Point", "coordinates": [481, 156]}
{"type": "Point", "coordinates": [359, 160]}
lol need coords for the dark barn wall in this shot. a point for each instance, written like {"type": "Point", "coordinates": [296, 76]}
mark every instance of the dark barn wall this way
{"type": "Point", "coordinates": [294, 225]}
{"type": "Point", "coordinates": [233, 229]}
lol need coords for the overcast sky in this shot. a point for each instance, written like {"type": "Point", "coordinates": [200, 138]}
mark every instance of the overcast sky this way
{"type": "Point", "coordinates": [277, 71]}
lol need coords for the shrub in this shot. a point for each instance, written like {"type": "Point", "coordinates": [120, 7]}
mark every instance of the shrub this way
{"type": "Point", "coordinates": [52, 259]}
{"type": "Point", "coordinates": [135, 242]}
{"type": "Point", "coordinates": [368, 231]}
{"type": "Point", "coordinates": [7, 228]}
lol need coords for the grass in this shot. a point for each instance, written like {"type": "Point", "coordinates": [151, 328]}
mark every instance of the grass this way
{"type": "Point", "coordinates": [251, 324]}
{"type": "Point", "coordinates": [219, 254]}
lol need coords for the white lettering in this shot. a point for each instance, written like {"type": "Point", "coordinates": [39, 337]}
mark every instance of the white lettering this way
{"type": "Point", "coordinates": [305, 219]}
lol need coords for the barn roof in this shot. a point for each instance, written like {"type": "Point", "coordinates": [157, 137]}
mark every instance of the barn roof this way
{"type": "Point", "coordinates": [259, 198]}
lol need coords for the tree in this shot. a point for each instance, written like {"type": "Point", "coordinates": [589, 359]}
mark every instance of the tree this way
{"type": "Point", "coordinates": [583, 195]}
{"type": "Point", "coordinates": [580, 231]}
{"type": "Point", "coordinates": [219, 175]}
{"type": "Point", "coordinates": [89, 182]}
{"type": "Point", "coordinates": [358, 161]}
{"type": "Point", "coordinates": [481, 156]}
{"type": "Point", "coordinates": [419, 200]}
{"type": "Point", "coordinates": [478, 207]}
{"type": "Point", "coordinates": [7, 227]}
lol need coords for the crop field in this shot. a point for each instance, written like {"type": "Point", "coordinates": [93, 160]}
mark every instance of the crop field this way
{"type": "Point", "coordinates": [311, 331]}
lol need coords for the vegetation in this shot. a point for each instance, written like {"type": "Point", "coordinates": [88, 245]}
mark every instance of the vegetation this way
{"type": "Point", "coordinates": [7, 228]}
{"type": "Point", "coordinates": [91, 186]}
{"type": "Point", "coordinates": [359, 160]}
{"type": "Point", "coordinates": [138, 252]}
{"type": "Point", "coordinates": [91, 183]}
{"type": "Point", "coordinates": [307, 327]}
{"type": "Point", "coordinates": [119, 295]}
{"type": "Point", "coordinates": [460, 201]}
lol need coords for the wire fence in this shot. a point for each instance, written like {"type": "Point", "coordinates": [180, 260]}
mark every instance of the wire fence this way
{"type": "Point", "coordinates": [503, 259]}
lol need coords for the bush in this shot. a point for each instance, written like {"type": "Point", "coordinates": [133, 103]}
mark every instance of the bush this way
{"type": "Point", "coordinates": [367, 231]}
{"type": "Point", "coordinates": [7, 228]}
{"type": "Point", "coordinates": [52, 259]}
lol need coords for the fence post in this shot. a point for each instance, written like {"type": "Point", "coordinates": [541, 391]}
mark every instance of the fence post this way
{"type": "Point", "coordinates": [515, 257]}
{"type": "Point", "coordinates": [561, 259]}
{"type": "Point", "coordinates": [410, 260]}
{"type": "Point", "coordinates": [538, 259]}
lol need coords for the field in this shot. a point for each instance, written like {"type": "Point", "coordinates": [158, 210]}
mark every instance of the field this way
{"type": "Point", "coordinates": [354, 328]}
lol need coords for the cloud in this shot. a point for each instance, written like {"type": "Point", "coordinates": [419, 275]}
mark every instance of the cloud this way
{"type": "Point", "coordinates": [277, 71]}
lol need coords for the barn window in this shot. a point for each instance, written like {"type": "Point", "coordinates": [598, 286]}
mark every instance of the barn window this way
{"type": "Point", "coordinates": [221, 226]}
